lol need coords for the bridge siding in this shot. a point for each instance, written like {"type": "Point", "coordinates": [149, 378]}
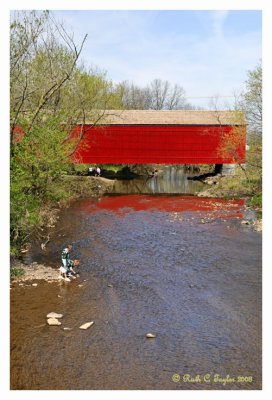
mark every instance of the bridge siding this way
{"type": "Point", "coordinates": [159, 144]}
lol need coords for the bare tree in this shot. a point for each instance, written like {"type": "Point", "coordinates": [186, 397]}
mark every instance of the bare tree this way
{"type": "Point", "coordinates": [158, 95]}
{"type": "Point", "coordinates": [176, 98]}
{"type": "Point", "coordinates": [133, 97]}
{"type": "Point", "coordinates": [43, 58]}
{"type": "Point", "coordinates": [252, 100]}
{"type": "Point", "coordinates": [159, 91]}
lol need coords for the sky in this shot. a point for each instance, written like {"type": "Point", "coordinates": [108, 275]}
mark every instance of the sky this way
{"type": "Point", "coordinates": [207, 52]}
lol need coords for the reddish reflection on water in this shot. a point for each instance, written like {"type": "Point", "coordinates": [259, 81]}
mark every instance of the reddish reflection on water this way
{"type": "Point", "coordinates": [124, 204]}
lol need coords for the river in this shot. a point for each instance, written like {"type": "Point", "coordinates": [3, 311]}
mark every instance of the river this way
{"type": "Point", "coordinates": [180, 267]}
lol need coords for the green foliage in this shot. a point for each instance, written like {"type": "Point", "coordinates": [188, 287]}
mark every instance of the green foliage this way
{"type": "Point", "coordinates": [81, 169]}
{"type": "Point", "coordinates": [14, 251]}
{"type": "Point", "coordinates": [256, 200]}
{"type": "Point", "coordinates": [36, 162]}
{"type": "Point", "coordinates": [113, 167]}
{"type": "Point", "coordinates": [16, 272]}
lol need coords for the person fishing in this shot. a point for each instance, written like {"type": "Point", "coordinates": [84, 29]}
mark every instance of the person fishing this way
{"type": "Point", "coordinates": [65, 256]}
{"type": "Point", "coordinates": [68, 265]}
{"type": "Point", "coordinates": [66, 261]}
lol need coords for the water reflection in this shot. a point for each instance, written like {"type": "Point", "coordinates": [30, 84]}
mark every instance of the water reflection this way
{"type": "Point", "coordinates": [172, 179]}
{"type": "Point", "coordinates": [216, 208]}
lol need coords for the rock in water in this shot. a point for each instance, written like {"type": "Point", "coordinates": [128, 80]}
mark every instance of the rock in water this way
{"type": "Point", "coordinates": [54, 315]}
{"type": "Point", "coordinates": [150, 335]}
{"type": "Point", "coordinates": [86, 325]}
{"type": "Point", "coordinates": [53, 321]}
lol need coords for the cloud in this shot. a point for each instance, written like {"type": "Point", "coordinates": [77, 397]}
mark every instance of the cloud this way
{"type": "Point", "coordinates": [130, 46]}
{"type": "Point", "coordinates": [218, 18]}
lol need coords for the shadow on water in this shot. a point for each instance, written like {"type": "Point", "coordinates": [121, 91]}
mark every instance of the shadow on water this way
{"type": "Point", "coordinates": [181, 267]}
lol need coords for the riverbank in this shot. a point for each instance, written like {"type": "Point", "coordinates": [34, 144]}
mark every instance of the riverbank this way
{"type": "Point", "coordinates": [85, 186]}
{"type": "Point", "coordinates": [219, 188]}
{"type": "Point", "coordinates": [232, 186]}
{"type": "Point", "coordinates": [32, 272]}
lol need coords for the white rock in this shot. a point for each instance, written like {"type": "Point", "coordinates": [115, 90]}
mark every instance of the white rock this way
{"type": "Point", "coordinates": [258, 225]}
{"type": "Point", "coordinates": [34, 284]}
{"type": "Point", "coordinates": [150, 335]}
{"type": "Point", "coordinates": [53, 321]}
{"type": "Point", "coordinates": [54, 315]}
{"type": "Point", "coordinates": [86, 325]}
{"type": "Point", "coordinates": [67, 329]}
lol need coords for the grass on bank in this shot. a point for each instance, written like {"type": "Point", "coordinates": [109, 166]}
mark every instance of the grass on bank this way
{"type": "Point", "coordinates": [16, 272]}
{"type": "Point", "coordinates": [246, 183]}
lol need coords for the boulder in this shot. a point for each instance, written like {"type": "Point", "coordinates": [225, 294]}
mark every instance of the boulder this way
{"type": "Point", "coordinates": [86, 325]}
{"type": "Point", "coordinates": [54, 315]}
{"type": "Point", "coordinates": [258, 225]}
{"type": "Point", "coordinates": [53, 321]}
{"type": "Point", "coordinates": [150, 335]}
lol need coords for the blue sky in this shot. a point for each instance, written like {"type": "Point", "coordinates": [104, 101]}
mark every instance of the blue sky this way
{"type": "Point", "coordinates": [206, 52]}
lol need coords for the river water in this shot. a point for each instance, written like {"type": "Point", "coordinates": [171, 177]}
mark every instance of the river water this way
{"type": "Point", "coordinates": [180, 267]}
{"type": "Point", "coordinates": [171, 179]}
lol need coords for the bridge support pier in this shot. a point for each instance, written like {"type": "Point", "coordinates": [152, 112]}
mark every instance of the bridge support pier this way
{"type": "Point", "coordinates": [218, 169]}
{"type": "Point", "coordinates": [228, 169]}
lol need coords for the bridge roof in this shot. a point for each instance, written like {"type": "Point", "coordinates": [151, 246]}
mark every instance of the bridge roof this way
{"type": "Point", "coordinates": [172, 117]}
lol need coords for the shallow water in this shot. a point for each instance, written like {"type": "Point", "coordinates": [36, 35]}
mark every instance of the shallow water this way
{"type": "Point", "coordinates": [183, 268]}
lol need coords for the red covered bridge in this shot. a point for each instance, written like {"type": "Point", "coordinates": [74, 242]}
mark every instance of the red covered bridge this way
{"type": "Point", "coordinates": [162, 137]}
